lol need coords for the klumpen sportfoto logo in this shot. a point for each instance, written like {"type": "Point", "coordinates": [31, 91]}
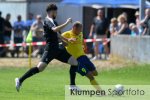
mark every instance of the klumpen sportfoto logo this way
{"type": "Point", "coordinates": [107, 92]}
{"type": "Point", "coordinates": [76, 92]}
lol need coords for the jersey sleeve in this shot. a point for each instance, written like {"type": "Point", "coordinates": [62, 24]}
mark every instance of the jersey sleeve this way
{"type": "Point", "coordinates": [65, 35]}
{"type": "Point", "coordinates": [48, 26]}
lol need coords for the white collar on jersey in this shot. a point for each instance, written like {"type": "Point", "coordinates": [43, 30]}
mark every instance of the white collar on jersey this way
{"type": "Point", "coordinates": [53, 24]}
{"type": "Point", "coordinates": [51, 20]}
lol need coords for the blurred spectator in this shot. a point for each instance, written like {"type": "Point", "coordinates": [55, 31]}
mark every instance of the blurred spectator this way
{"type": "Point", "coordinates": [146, 23]}
{"type": "Point", "coordinates": [18, 32]}
{"type": "Point", "coordinates": [113, 26]}
{"type": "Point", "coordinates": [137, 19]}
{"type": "Point", "coordinates": [1, 23]}
{"type": "Point", "coordinates": [37, 29]}
{"type": "Point", "coordinates": [125, 15]}
{"type": "Point", "coordinates": [2, 50]}
{"type": "Point", "coordinates": [7, 29]}
{"type": "Point", "coordinates": [138, 22]}
{"type": "Point", "coordinates": [100, 24]}
{"type": "Point", "coordinates": [29, 22]}
{"type": "Point", "coordinates": [134, 29]}
{"type": "Point", "coordinates": [7, 33]}
{"type": "Point", "coordinates": [123, 27]}
{"type": "Point", "coordinates": [131, 25]}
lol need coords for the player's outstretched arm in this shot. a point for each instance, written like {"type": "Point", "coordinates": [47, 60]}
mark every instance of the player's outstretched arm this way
{"type": "Point", "coordinates": [60, 27]}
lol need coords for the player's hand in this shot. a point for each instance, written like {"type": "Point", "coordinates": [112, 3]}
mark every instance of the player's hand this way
{"type": "Point", "coordinates": [72, 40]}
{"type": "Point", "coordinates": [90, 35]}
{"type": "Point", "coordinates": [69, 20]}
{"type": "Point", "coordinates": [85, 48]}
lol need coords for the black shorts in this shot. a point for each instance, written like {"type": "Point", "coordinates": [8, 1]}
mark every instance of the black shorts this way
{"type": "Point", "coordinates": [55, 52]}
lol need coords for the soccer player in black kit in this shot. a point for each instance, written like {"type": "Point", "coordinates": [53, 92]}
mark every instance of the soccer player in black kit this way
{"type": "Point", "coordinates": [52, 49]}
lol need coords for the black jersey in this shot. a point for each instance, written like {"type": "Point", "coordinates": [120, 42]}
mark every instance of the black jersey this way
{"type": "Point", "coordinates": [49, 35]}
{"type": "Point", "coordinates": [52, 49]}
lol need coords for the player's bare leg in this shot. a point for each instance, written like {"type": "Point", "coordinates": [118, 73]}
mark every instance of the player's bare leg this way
{"type": "Point", "coordinates": [93, 81]}
{"type": "Point", "coordinates": [94, 73]}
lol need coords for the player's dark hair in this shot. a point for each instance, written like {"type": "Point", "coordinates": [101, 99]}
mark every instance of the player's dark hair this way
{"type": "Point", "coordinates": [51, 7]}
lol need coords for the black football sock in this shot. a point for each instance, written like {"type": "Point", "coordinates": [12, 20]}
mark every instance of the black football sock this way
{"type": "Point", "coordinates": [72, 71]}
{"type": "Point", "coordinates": [29, 73]}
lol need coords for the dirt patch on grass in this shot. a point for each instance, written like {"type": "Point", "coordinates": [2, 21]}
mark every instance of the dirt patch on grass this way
{"type": "Point", "coordinates": [100, 64]}
{"type": "Point", "coordinates": [22, 62]}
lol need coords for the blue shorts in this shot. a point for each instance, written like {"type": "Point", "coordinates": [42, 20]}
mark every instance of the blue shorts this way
{"type": "Point", "coordinates": [85, 65]}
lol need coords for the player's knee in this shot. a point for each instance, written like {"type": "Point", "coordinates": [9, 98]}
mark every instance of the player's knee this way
{"type": "Point", "coordinates": [41, 66]}
{"type": "Point", "coordinates": [90, 76]}
{"type": "Point", "coordinates": [95, 73]}
{"type": "Point", "coordinates": [72, 61]}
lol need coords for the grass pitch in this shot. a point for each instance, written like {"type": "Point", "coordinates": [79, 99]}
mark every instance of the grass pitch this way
{"type": "Point", "coordinates": [50, 84]}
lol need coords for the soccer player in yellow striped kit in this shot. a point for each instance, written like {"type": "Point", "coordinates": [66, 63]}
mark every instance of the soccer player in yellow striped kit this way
{"type": "Point", "coordinates": [76, 49]}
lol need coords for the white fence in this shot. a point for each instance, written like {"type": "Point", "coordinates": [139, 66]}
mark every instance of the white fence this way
{"type": "Point", "coordinates": [132, 48]}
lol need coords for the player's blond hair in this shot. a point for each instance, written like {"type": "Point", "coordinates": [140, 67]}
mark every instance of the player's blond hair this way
{"type": "Point", "coordinates": [77, 24]}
